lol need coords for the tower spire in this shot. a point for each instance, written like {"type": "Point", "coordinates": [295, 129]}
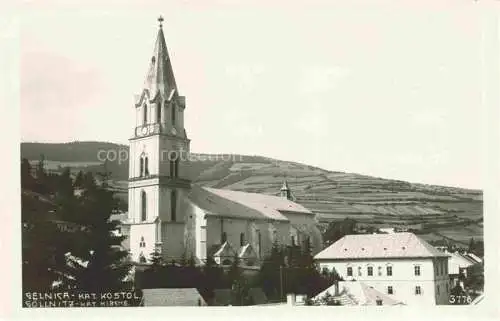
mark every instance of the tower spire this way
{"type": "Point", "coordinates": [160, 77]}
{"type": "Point", "coordinates": [285, 190]}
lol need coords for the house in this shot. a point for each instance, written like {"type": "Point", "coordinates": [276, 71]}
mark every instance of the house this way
{"type": "Point", "coordinates": [399, 265]}
{"type": "Point", "coordinates": [172, 297]}
{"type": "Point", "coordinates": [170, 215]}
{"type": "Point", "coordinates": [353, 293]}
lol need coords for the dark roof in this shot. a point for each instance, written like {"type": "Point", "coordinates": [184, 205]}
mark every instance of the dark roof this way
{"type": "Point", "coordinates": [172, 297]}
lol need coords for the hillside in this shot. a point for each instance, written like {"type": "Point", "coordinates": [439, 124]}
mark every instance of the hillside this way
{"type": "Point", "coordinates": [437, 212]}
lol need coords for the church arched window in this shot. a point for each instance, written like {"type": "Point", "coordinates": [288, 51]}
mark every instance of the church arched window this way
{"type": "Point", "coordinates": [144, 114]}
{"type": "Point", "coordinates": [242, 239]}
{"type": "Point", "coordinates": [173, 114]}
{"type": "Point", "coordinates": [141, 169]}
{"type": "Point", "coordinates": [174, 163]}
{"type": "Point", "coordinates": [176, 167]}
{"type": "Point", "coordinates": [143, 206]}
{"type": "Point", "coordinates": [158, 113]}
{"type": "Point", "coordinates": [173, 203]}
{"type": "Point", "coordinates": [142, 243]}
{"type": "Point", "coordinates": [146, 166]}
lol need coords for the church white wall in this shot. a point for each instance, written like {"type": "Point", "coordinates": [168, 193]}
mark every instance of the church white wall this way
{"type": "Point", "coordinates": [136, 232]}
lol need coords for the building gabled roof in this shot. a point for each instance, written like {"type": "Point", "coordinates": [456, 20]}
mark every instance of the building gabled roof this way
{"type": "Point", "coordinates": [270, 206]}
{"type": "Point", "coordinates": [395, 245]}
{"type": "Point", "coordinates": [172, 297]}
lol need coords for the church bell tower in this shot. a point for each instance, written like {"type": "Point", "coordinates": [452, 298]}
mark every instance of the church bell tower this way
{"type": "Point", "coordinates": [158, 157]}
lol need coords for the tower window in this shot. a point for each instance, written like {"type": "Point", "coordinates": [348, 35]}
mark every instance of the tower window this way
{"type": "Point", "coordinates": [173, 164]}
{"type": "Point", "coordinates": [349, 271]}
{"type": "Point", "coordinates": [158, 113]}
{"type": "Point", "coordinates": [389, 270]}
{"type": "Point", "coordinates": [260, 242]}
{"type": "Point", "coordinates": [359, 271]}
{"type": "Point", "coordinates": [144, 114]}
{"type": "Point", "coordinates": [379, 271]}
{"type": "Point", "coordinates": [146, 167]}
{"type": "Point", "coordinates": [176, 168]}
{"type": "Point", "coordinates": [390, 290]}
{"type": "Point", "coordinates": [143, 206]}
{"type": "Point", "coordinates": [142, 243]}
{"type": "Point", "coordinates": [370, 271]}
{"type": "Point", "coordinates": [242, 239]}
{"type": "Point", "coordinates": [173, 114]}
{"type": "Point", "coordinates": [173, 204]}
{"type": "Point", "coordinates": [141, 167]}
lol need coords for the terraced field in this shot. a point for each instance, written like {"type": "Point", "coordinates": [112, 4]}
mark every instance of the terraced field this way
{"type": "Point", "coordinates": [436, 211]}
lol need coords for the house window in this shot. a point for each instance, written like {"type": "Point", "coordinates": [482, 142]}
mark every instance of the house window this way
{"type": "Point", "coordinates": [370, 271]}
{"type": "Point", "coordinates": [223, 238]}
{"type": "Point", "coordinates": [418, 290]}
{"type": "Point", "coordinates": [144, 114]}
{"type": "Point", "coordinates": [158, 113]}
{"type": "Point", "coordinates": [359, 271]}
{"type": "Point", "coordinates": [143, 206]}
{"type": "Point", "coordinates": [389, 270]}
{"type": "Point", "coordinates": [379, 271]}
{"type": "Point", "coordinates": [417, 270]}
{"type": "Point", "coordinates": [379, 301]}
{"type": "Point", "coordinates": [349, 271]}
{"type": "Point", "coordinates": [437, 290]}
{"type": "Point", "coordinates": [447, 288]}
{"type": "Point", "coordinates": [173, 114]}
{"type": "Point", "coordinates": [146, 166]}
{"type": "Point", "coordinates": [173, 204]}
{"type": "Point", "coordinates": [242, 239]}
{"type": "Point", "coordinates": [141, 161]}
{"type": "Point", "coordinates": [390, 290]}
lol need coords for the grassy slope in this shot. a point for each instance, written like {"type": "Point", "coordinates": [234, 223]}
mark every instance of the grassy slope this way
{"type": "Point", "coordinates": [441, 211]}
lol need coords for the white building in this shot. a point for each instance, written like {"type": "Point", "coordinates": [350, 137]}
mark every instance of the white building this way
{"type": "Point", "coordinates": [400, 265]}
{"type": "Point", "coordinates": [169, 214]}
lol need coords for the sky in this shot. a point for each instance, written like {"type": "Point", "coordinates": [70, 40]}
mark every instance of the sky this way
{"type": "Point", "coordinates": [383, 88]}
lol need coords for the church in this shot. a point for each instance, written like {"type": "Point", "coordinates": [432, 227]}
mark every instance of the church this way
{"type": "Point", "coordinates": [169, 214]}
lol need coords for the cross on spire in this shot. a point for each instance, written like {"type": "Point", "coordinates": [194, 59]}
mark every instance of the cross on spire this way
{"type": "Point", "coordinates": [160, 20]}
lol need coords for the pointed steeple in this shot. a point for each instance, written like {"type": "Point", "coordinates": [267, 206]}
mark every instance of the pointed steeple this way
{"type": "Point", "coordinates": [160, 77]}
{"type": "Point", "coordinates": [285, 191]}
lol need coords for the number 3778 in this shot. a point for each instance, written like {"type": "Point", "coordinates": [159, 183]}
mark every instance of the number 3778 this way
{"type": "Point", "coordinates": [460, 299]}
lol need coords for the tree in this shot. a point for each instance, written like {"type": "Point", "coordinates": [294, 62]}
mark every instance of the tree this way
{"type": "Point", "coordinates": [239, 286]}
{"type": "Point", "coordinates": [79, 180]}
{"type": "Point", "coordinates": [270, 276]}
{"type": "Point", "coordinates": [156, 259]}
{"type": "Point", "coordinates": [97, 261]}
{"type": "Point", "coordinates": [338, 229]}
